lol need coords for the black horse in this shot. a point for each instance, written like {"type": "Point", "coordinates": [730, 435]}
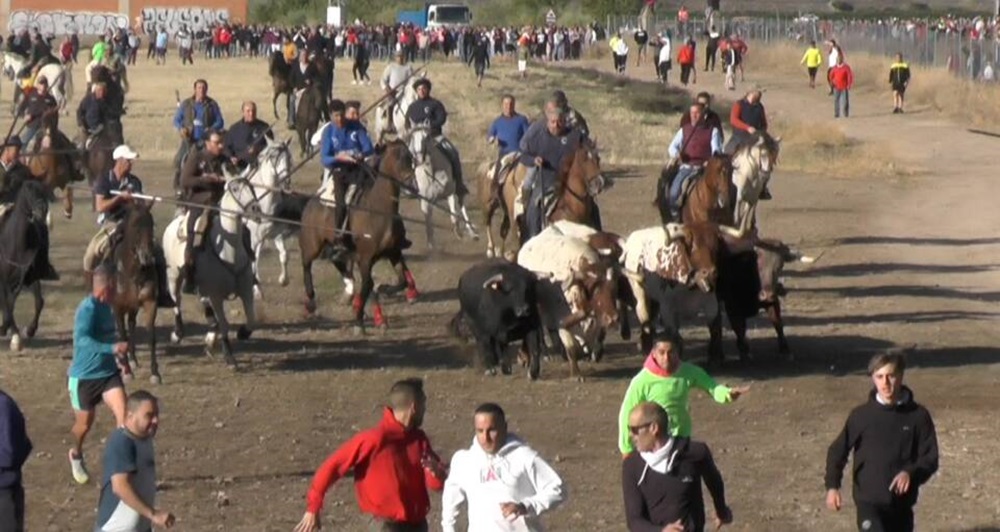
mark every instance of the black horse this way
{"type": "Point", "coordinates": [24, 251]}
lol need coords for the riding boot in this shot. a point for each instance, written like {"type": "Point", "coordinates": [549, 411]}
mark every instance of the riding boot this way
{"type": "Point", "coordinates": [338, 247]}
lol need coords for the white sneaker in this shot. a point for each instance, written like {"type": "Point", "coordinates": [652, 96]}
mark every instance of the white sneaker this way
{"type": "Point", "coordinates": [354, 82]}
{"type": "Point", "coordinates": [80, 474]}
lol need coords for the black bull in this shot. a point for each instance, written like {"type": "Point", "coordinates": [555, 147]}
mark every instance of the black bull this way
{"type": "Point", "coordinates": [748, 282]}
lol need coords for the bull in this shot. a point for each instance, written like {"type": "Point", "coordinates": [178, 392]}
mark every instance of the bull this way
{"type": "Point", "coordinates": [587, 283]}
{"type": "Point", "coordinates": [499, 306]}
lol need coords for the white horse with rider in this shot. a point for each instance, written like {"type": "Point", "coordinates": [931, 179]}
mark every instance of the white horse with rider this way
{"type": "Point", "coordinates": [60, 77]}
{"type": "Point", "coordinates": [223, 265]}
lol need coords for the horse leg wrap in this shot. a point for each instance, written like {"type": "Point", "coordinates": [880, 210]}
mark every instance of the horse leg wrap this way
{"type": "Point", "coordinates": [356, 304]}
{"type": "Point", "coordinates": [378, 318]}
{"type": "Point", "coordinates": [411, 287]}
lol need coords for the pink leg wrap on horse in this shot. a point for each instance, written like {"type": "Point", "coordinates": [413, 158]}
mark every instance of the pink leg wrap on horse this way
{"type": "Point", "coordinates": [411, 286]}
{"type": "Point", "coordinates": [356, 303]}
{"type": "Point", "coordinates": [379, 318]}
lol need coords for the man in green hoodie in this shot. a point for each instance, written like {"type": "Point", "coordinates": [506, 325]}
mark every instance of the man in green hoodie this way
{"type": "Point", "coordinates": [667, 381]}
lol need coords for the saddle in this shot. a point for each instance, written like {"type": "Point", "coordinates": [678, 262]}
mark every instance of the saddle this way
{"type": "Point", "coordinates": [498, 172]}
{"type": "Point", "coordinates": [201, 225]}
{"type": "Point", "coordinates": [667, 178]}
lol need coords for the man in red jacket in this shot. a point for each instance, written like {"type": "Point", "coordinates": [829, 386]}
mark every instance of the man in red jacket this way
{"type": "Point", "coordinates": [393, 466]}
{"type": "Point", "coordinates": [841, 80]}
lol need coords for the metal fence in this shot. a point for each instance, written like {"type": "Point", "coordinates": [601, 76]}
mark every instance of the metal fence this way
{"type": "Point", "coordinates": [968, 48]}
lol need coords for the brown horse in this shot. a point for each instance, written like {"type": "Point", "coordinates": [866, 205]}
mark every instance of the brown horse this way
{"type": "Point", "coordinates": [309, 111]}
{"type": "Point", "coordinates": [56, 164]}
{"type": "Point", "coordinates": [377, 233]}
{"type": "Point", "coordinates": [710, 198]}
{"type": "Point", "coordinates": [577, 182]}
{"type": "Point", "coordinates": [279, 71]}
{"type": "Point", "coordinates": [138, 282]}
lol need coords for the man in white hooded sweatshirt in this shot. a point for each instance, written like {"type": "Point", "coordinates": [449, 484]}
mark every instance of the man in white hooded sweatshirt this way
{"type": "Point", "coordinates": [506, 484]}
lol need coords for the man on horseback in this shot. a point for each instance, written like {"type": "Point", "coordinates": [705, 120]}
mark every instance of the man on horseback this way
{"type": "Point", "coordinates": [112, 193]}
{"type": "Point", "coordinates": [693, 145]}
{"type": "Point", "coordinates": [573, 118]}
{"type": "Point", "coordinates": [747, 118]}
{"type": "Point", "coordinates": [247, 137]}
{"type": "Point", "coordinates": [204, 185]}
{"type": "Point", "coordinates": [543, 151]}
{"type": "Point", "coordinates": [393, 77]}
{"type": "Point", "coordinates": [195, 117]}
{"type": "Point", "coordinates": [431, 113]}
{"type": "Point", "coordinates": [345, 145]}
{"type": "Point", "coordinates": [93, 113]}
{"type": "Point", "coordinates": [12, 175]}
{"type": "Point", "coordinates": [506, 132]}
{"type": "Point", "coordinates": [40, 55]}
{"type": "Point", "coordinates": [303, 76]}
{"type": "Point", "coordinates": [39, 109]}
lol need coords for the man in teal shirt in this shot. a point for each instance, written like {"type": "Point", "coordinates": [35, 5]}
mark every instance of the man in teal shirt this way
{"type": "Point", "coordinates": [98, 362]}
{"type": "Point", "coordinates": [667, 381]}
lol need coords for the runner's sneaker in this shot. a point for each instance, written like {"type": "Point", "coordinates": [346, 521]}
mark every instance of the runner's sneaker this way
{"type": "Point", "coordinates": [80, 474]}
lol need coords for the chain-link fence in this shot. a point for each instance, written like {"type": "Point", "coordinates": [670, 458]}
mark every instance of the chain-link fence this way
{"type": "Point", "coordinates": [968, 48]}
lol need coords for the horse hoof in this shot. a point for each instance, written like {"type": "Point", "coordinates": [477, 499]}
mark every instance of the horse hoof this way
{"type": "Point", "coordinates": [210, 339]}
{"type": "Point", "coordinates": [412, 295]}
{"type": "Point", "coordinates": [243, 333]}
{"type": "Point", "coordinates": [283, 280]}
{"type": "Point", "coordinates": [506, 369]}
{"type": "Point", "coordinates": [29, 332]}
{"type": "Point", "coordinates": [358, 330]}
{"type": "Point", "coordinates": [15, 343]}
{"type": "Point", "coordinates": [310, 307]}
{"type": "Point", "coordinates": [68, 214]}
{"type": "Point", "coordinates": [475, 237]}
{"type": "Point", "coordinates": [492, 372]}
{"type": "Point", "coordinates": [175, 338]}
{"type": "Point", "coordinates": [490, 253]}
{"type": "Point", "coordinates": [383, 329]}
{"type": "Point", "coordinates": [155, 379]}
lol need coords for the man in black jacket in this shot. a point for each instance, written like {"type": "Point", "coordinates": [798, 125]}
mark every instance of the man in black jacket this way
{"type": "Point", "coordinates": [895, 451]}
{"type": "Point", "coordinates": [428, 112]}
{"type": "Point", "coordinates": [15, 448]}
{"type": "Point", "coordinates": [661, 480]}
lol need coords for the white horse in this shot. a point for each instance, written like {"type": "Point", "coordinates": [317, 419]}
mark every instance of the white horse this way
{"type": "Point", "coordinates": [270, 176]}
{"type": "Point", "coordinates": [60, 78]}
{"type": "Point", "coordinates": [753, 163]}
{"type": "Point", "coordinates": [433, 175]}
{"type": "Point", "coordinates": [397, 122]}
{"type": "Point", "coordinates": [223, 267]}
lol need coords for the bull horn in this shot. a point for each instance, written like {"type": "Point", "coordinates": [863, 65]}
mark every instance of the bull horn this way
{"type": "Point", "coordinates": [498, 278]}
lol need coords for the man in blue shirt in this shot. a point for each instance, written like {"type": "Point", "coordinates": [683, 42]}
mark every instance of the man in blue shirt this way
{"type": "Point", "coordinates": [509, 128]}
{"type": "Point", "coordinates": [15, 448]}
{"type": "Point", "coordinates": [195, 118]}
{"type": "Point", "coordinates": [345, 145]}
{"type": "Point", "coordinates": [98, 361]}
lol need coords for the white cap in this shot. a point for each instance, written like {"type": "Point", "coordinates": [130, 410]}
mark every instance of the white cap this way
{"type": "Point", "coordinates": [124, 152]}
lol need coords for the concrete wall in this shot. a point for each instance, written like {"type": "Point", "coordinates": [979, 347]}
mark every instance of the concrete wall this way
{"type": "Point", "coordinates": [92, 17]}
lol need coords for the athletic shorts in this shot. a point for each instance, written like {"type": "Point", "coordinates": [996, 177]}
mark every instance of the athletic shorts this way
{"type": "Point", "coordinates": [522, 65]}
{"type": "Point", "coordinates": [899, 88]}
{"type": "Point", "coordinates": [85, 394]}
{"type": "Point", "coordinates": [812, 71]}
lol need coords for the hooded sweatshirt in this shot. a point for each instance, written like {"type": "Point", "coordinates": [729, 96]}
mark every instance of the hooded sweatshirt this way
{"type": "Point", "coordinates": [514, 474]}
{"type": "Point", "coordinates": [669, 390]}
{"type": "Point", "coordinates": [886, 439]}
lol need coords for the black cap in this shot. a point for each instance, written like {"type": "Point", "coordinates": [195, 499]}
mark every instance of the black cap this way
{"type": "Point", "coordinates": [422, 81]}
{"type": "Point", "coordinates": [337, 106]}
{"type": "Point", "coordinates": [12, 141]}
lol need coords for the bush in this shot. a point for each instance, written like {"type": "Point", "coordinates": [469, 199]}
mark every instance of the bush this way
{"type": "Point", "coordinates": [841, 6]}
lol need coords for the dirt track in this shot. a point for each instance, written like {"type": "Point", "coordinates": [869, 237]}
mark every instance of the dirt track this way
{"type": "Point", "coordinates": [907, 262]}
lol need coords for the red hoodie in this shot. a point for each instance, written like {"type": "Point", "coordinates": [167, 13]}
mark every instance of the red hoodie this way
{"type": "Point", "coordinates": [841, 77]}
{"type": "Point", "coordinates": [389, 481]}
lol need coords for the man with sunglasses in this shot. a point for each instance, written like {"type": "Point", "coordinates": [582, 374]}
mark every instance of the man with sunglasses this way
{"type": "Point", "coordinates": [661, 483]}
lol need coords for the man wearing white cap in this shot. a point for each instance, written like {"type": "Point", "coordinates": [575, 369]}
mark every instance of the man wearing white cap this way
{"type": "Point", "coordinates": [112, 193]}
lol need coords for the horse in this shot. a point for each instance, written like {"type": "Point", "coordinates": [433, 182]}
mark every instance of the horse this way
{"type": "Point", "coordinates": [97, 160]}
{"type": "Point", "coordinates": [56, 164]}
{"type": "Point", "coordinates": [60, 77]}
{"type": "Point", "coordinates": [223, 267]}
{"type": "Point", "coordinates": [753, 162]}
{"type": "Point", "coordinates": [308, 112]}
{"type": "Point", "coordinates": [384, 123]}
{"type": "Point", "coordinates": [134, 260]}
{"type": "Point", "coordinates": [325, 67]}
{"type": "Point", "coordinates": [377, 233]}
{"type": "Point", "coordinates": [268, 179]}
{"type": "Point", "coordinates": [709, 198]}
{"type": "Point", "coordinates": [23, 241]}
{"type": "Point", "coordinates": [578, 181]}
{"type": "Point", "coordinates": [279, 70]}
{"type": "Point", "coordinates": [434, 181]}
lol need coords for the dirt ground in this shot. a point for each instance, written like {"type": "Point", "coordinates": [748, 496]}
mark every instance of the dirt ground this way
{"type": "Point", "coordinates": [904, 262]}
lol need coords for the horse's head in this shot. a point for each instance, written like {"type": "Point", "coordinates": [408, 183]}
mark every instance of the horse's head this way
{"type": "Point", "coordinates": [418, 139]}
{"type": "Point", "coordinates": [240, 195]}
{"type": "Point", "coordinates": [719, 177]}
{"type": "Point", "coordinates": [273, 164]}
{"type": "Point", "coordinates": [758, 157]}
{"type": "Point", "coordinates": [139, 233]}
{"type": "Point", "coordinates": [587, 166]}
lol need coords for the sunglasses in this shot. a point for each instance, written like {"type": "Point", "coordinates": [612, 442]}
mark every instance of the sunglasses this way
{"type": "Point", "coordinates": [636, 429]}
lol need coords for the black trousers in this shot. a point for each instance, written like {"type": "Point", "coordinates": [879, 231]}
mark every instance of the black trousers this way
{"type": "Point", "coordinates": [686, 73]}
{"type": "Point", "coordinates": [885, 518]}
{"type": "Point", "coordinates": [12, 509]}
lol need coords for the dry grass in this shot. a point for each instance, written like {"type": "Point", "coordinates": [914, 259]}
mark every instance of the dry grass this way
{"type": "Point", "coordinates": [823, 147]}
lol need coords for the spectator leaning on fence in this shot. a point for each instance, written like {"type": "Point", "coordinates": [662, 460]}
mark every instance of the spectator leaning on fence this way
{"type": "Point", "coordinates": [899, 78]}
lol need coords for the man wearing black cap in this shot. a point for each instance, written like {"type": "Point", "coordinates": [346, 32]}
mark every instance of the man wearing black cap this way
{"type": "Point", "coordinates": [38, 109]}
{"type": "Point", "coordinates": [12, 172]}
{"type": "Point", "coordinates": [430, 112]}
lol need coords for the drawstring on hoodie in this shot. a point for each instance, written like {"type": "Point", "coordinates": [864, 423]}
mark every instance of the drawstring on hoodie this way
{"type": "Point", "coordinates": [667, 452]}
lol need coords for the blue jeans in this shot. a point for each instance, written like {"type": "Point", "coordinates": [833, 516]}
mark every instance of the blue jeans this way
{"type": "Point", "coordinates": [30, 131]}
{"type": "Point", "coordinates": [684, 173]}
{"type": "Point", "coordinates": [838, 96]}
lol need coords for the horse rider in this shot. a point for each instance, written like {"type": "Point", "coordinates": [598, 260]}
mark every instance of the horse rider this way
{"type": "Point", "coordinates": [543, 150]}
{"type": "Point", "coordinates": [93, 113]}
{"type": "Point", "coordinates": [194, 119]}
{"type": "Point", "coordinates": [112, 193]}
{"type": "Point", "coordinates": [204, 184]}
{"type": "Point", "coordinates": [39, 109]}
{"type": "Point", "coordinates": [303, 75]}
{"type": "Point", "coordinates": [746, 119]}
{"type": "Point", "coordinates": [574, 119]}
{"type": "Point", "coordinates": [431, 112]}
{"type": "Point", "coordinates": [344, 148]}
{"type": "Point", "coordinates": [40, 55]}
{"type": "Point", "coordinates": [393, 78]}
{"type": "Point", "coordinates": [248, 137]}
{"type": "Point", "coordinates": [12, 174]}
{"type": "Point", "coordinates": [352, 113]}
{"type": "Point", "coordinates": [710, 116]}
{"type": "Point", "coordinates": [506, 132]}
{"type": "Point", "coordinates": [693, 145]}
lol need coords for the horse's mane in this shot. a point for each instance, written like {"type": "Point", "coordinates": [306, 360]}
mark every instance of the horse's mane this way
{"type": "Point", "coordinates": [770, 144]}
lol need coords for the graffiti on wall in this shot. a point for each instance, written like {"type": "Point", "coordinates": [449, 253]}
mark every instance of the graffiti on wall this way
{"type": "Point", "coordinates": [65, 22]}
{"type": "Point", "coordinates": [174, 18]}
